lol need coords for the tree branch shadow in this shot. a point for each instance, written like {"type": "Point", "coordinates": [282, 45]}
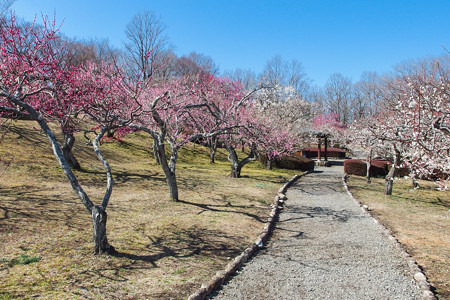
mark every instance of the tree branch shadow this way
{"type": "Point", "coordinates": [210, 207]}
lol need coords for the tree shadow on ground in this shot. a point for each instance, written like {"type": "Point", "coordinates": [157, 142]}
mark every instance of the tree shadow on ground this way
{"type": "Point", "coordinates": [181, 244]}
{"type": "Point", "coordinates": [125, 176]}
{"type": "Point", "coordinates": [307, 212]}
{"type": "Point", "coordinates": [214, 207]}
{"type": "Point", "coordinates": [25, 203]}
{"type": "Point", "coordinates": [318, 188]}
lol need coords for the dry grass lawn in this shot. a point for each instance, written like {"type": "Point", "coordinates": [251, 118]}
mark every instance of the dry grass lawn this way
{"type": "Point", "coordinates": [419, 219]}
{"type": "Point", "coordinates": [165, 249]}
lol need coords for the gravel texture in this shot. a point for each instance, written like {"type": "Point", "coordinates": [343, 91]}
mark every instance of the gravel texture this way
{"type": "Point", "coordinates": [324, 247]}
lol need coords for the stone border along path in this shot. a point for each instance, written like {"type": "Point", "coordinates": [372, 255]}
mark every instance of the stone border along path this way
{"type": "Point", "coordinates": [324, 246]}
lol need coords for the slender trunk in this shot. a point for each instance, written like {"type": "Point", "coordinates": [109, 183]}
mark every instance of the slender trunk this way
{"type": "Point", "coordinates": [69, 141]}
{"type": "Point", "coordinates": [99, 218]}
{"type": "Point", "coordinates": [319, 149]}
{"type": "Point", "coordinates": [368, 163]}
{"type": "Point", "coordinates": [99, 215]}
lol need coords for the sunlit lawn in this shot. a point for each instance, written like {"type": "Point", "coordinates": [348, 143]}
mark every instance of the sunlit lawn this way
{"type": "Point", "coordinates": [418, 218]}
{"type": "Point", "coordinates": [165, 249]}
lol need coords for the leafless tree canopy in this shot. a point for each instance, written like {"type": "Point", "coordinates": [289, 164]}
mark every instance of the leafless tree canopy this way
{"type": "Point", "coordinates": [286, 73]}
{"type": "Point", "coordinates": [246, 77]}
{"type": "Point", "coordinates": [195, 63]}
{"type": "Point", "coordinates": [5, 5]}
{"type": "Point", "coordinates": [146, 41]}
{"type": "Point", "coordinates": [339, 92]}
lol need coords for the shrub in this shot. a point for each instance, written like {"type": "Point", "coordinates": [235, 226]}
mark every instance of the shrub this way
{"type": "Point", "coordinates": [291, 162]}
{"type": "Point", "coordinates": [313, 152]}
{"type": "Point", "coordinates": [355, 167]}
{"type": "Point", "coordinates": [378, 168]}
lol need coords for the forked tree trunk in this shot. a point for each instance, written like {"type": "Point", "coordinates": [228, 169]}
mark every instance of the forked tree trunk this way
{"type": "Point", "coordinates": [236, 165]}
{"type": "Point", "coordinates": [99, 218]}
{"type": "Point", "coordinates": [98, 215]}
{"type": "Point", "coordinates": [69, 141]}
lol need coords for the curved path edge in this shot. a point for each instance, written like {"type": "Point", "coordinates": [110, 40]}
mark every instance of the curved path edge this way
{"type": "Point", "coordinates": [419, 276]}
{"type": "Point", "coordinates": [221, 276]}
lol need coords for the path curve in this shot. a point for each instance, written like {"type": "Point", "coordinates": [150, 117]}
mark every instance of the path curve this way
{"type": "Point", "coordinates": [324, 247]}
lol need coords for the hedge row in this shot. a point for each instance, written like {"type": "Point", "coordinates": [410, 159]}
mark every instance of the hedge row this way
{"type": "Point", "coordinates": [378, 168]}
{"type": "Point", "coordinates": [313, 152]}
{"type": "Point", "coordinates": [291, 162]}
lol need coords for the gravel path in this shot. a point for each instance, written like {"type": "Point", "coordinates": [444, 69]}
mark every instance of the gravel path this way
{"type": "Point", "coordinates": [324, 247]}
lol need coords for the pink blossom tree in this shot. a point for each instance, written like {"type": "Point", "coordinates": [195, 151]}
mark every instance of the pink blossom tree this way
{"type": "Point", "coordinates": [34, 84]}
{"type": "Point", "coordinates": [177, 112]}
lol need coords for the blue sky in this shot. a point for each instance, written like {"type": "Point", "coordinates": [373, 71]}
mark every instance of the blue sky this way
{"type": "Point", "coordinates": [328, 36]}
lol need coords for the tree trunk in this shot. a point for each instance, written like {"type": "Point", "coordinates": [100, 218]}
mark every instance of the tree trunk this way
{"type": "Point", "coordinates": [173, 187]}
{"type": "Point", "coordinates": [319, 149]}
{"type": "Point", "coordinates": [213, 150]}
{"type": "Point", "coordinates": [368, 163]}
{"type": "Point", "coordinates": [69, 141]}
{"type": "Point", "coordinates": [269, 164]}
{"type": "Point", "coordinates": [168, 168]}
{"type": "Point", "coordinates": [236, 165]}
{"type": "Point", "coordinates": [98, 214]}
{"type": "Point", "coordinates": [99, 218]}
{"type": "Point", "coordinates": [212, 156]}
{"type": "Point", "coordinates": [389, 184]}
{"type": "Point", "coordinates": [155, 153]}
{"type": "Point", "coordinates": [414, 181]}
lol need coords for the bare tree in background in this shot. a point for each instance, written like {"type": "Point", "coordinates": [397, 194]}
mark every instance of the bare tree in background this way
{"type": "Point", "coordinates": [339, 93]}
{"type": "Point", "coordinates": [5, 5]}
{"type": "Point", "coordinates": [146, 41]}
{"type": "Point", "coordinates": [278, 71]}
{"type": "Point", "coordinates": [246, 77]}
{"type": "Point", "coordinates": [194, 64]}
{"type": "Point", "coordinates": [368, 93]}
